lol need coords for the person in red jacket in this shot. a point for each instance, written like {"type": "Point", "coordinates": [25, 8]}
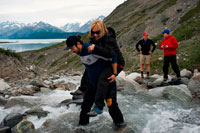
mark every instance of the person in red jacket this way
{"type": "Point", "coordinates": [169, 44]}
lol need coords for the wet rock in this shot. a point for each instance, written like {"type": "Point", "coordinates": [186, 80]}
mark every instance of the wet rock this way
{"type": "Point", "coordinates": [185, 81]}
{"type": "Point", "coordinates": [22, 101]}
{"type": "Point", "coordinates": [68, 123]}
{"type": "Point", "coordinates": [64, 86]}
{"type": "Point", "coordinates": [45, 90]}
{"type": "Point", "coordinates": [11, 120]}
{"type": "Point", "coordinates": [3, 101]}
{"type": "Point", "coordinates": [25, 92]}
{"type": "Point", "coordinates": [39, 112]}
{"type": "Point", "coordinates": [186, 73]}
{"type": "Point", "coordinates": [38, 83]}
{"type": "Point", "coordinates": [139, 80]}
{"type": "Point", "coordinates": [32, 88]}
{"type": "Point", "coordinates": [156, 92]}
{"type": "Point", "coordinates": [24, 127]}
{"type": "Point", "coordinates": [178, 93]}
{"type": "Point", "coordinates": [128, 85]}
{"type": "Point", "coordinates": [70, 101]}
{"type": "Point", "coordinates": [70, 86]}
{"type": "Point", "coordinates": [122, 74]}
{"type": "Point", "coordinates": [3, 85]}
{"type": "Point", "coordinates": [47, 82]}
{"type": "Point", "coordinates": [194, 84]}
{"type": "Point", "coordinates": [133, 76]}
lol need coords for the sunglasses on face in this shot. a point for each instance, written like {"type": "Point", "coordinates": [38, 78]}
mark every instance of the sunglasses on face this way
{"type": "Point", "coordinates": [95, 32]}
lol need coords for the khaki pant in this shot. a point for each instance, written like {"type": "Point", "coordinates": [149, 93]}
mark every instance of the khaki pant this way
{"type": "Point", "coordinates": [145, 59]}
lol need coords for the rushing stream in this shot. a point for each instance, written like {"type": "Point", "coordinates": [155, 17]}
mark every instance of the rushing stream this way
{"type": "Point", "coordinates": [143, 113]}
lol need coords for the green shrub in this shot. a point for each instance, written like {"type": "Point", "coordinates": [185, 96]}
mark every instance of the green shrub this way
{"type": "Point", "coordinates": [11, 53]}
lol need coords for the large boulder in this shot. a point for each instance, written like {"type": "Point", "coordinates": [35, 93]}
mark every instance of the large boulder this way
{"type": "Point", "coordinates": [3, 85]}
{"type": "Point", "coordinates": [22, 101]}
{"type": "Point", "coordinates": [133, 76]}
{"type": "Point", "coordinates": [179, 93]}
{"type": "Point", "coordinates": [3, 101]}
{"type": "Point", "coordinates": [128, 85]}
{"type": "Point", "coordinates": [186, 73]}
{"type": "Point", "coordinates": [11, 120]}
{"type": "Point", "coordinates": [194, 84]}
{"type": "Point", "coordinates": [24, 127]}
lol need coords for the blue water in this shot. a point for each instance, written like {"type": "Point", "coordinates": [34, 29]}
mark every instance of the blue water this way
{"type": "Point", "coordinates": [20, 45]}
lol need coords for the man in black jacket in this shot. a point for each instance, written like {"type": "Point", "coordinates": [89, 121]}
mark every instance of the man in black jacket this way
{"type": "Point", "coordinates": [145, 52]}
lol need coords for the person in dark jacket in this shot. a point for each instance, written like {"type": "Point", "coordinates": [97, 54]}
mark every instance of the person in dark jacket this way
{"type": "Point", "coordinates": [145, 52]}
{"type": "Point", "coordinates": [103, 45]}
{"type": "Point", "coordinates": [169, 44]}
{"type": "Point", "coordinates": [120, 60]}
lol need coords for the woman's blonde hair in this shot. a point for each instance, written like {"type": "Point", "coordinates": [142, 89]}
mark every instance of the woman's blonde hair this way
{"type": "Point", "coordinates": [101, 26]}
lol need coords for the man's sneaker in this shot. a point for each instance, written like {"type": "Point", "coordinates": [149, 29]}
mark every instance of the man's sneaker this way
{"type": "Point", "coordinates": [121, 125]}
{"type": "Point", "coordinates": [94, 112]}
{"type": "Point", "coordinates": [77, 92]}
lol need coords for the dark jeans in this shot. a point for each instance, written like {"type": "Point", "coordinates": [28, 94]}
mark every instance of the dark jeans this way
{"type": "Point", "coordinates": [88, 101]}
{"type": "Point", "coordinates": [170, 59]}
{"type": "Point", "coordinates": [84, 82]}
{"type": "Point", "coordinates": [102, 85]}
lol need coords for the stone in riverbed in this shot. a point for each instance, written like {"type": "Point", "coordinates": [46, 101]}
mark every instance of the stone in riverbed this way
{"type": "Point", "coordinates": [39, 112]}
{"type": "Point", "coordinates": [24, 127]}
{"type": "Point", "coordinates": [179, 93]}
{"type": "Point", "coordinates": [11, 120]}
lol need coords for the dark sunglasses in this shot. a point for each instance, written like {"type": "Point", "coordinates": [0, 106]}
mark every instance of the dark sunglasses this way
{"type": "Point", "coordinates": [95, 32]}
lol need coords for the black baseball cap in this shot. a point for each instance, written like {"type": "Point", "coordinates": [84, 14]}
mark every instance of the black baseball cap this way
{"type": "Point", "coordinates": [71, 41]}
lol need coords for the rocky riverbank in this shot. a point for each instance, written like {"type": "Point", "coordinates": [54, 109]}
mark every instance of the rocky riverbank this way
{"type": "Point", "coordinates": [41, 104]}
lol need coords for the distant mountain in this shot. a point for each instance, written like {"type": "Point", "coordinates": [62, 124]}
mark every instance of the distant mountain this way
{"type": "Point", "coordinates": [76, 27]}
{"type": "Point", "coordinates": [8, 28]}
{"type": "Point", "coordinates": [37, 30]}
{"type": "Point", "coordinates": [71, 27]}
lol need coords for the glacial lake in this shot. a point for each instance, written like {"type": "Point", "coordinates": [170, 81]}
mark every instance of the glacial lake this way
{"type": "Point", "coordinates": [20, 45]}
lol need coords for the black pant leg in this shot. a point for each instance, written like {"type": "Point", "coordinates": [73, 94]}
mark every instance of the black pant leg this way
{"type": "Point", "coordinates": [175, 65]}
{"type": "Point", "coordinates": [114, 110]}
{"type": "Point", "coordinates": [166, 66]}
{"type": "Point", "coordinates": [84, 82]}
{"type": "Point", "coordinates": [102, 87]}
{"type": "Point", "coordinates": [88, 101]}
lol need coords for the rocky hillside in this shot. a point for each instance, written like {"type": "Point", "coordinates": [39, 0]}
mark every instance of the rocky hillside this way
{"type": "Point", "coordinates": [130, 20]}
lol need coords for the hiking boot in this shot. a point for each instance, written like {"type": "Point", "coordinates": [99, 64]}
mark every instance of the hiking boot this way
{"type": "Point", "coordinates": [142, 75]}
{"type": "Point", "coordinates": [95, 111]}
{"type": "Point", "coordinates": [77, 93]}
{"type": "Point", "coordinates": [121, 125]}
{"type": "Point", "coordinates": [148, 76]}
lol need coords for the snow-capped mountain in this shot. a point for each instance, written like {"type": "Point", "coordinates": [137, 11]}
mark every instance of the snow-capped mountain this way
{"type": "Point", "coordinates": [36, 30]}
{"type": "Point", "coordinates": [77, 27]}
{"type": "Point", "coordinates": [8, 28]}
{"type": "Point", "coordinates": [71, 27]}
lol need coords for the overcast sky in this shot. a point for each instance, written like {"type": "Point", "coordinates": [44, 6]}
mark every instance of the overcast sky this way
{"type": "Point", "coordinates": [55, 12]}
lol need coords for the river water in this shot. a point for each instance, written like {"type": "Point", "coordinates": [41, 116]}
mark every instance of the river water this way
{"type": "Point", "coordinates": [143, 113]}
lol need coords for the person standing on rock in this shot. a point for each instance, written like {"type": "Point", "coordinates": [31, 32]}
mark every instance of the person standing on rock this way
{"type": "Point", "coordinates": [145, 53]}
{"type": "Point", "coordinates": [169, 44]}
